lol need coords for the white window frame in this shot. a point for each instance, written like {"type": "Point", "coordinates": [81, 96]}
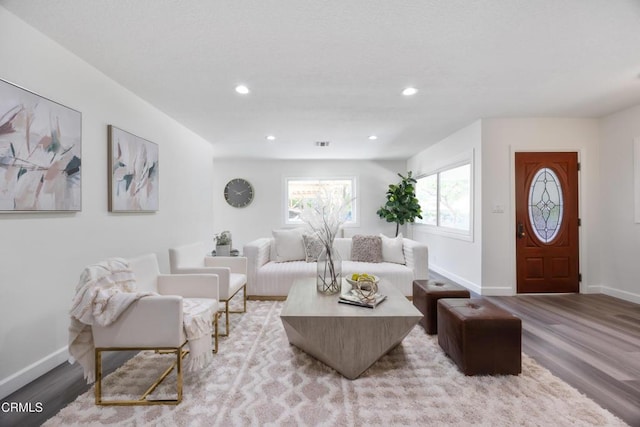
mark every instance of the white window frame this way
{"type": "Point", "coordinates": [448, 231]}
{"type": "Point", "coordinates": [355, 205]}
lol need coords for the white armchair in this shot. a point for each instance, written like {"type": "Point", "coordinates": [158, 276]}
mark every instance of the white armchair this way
{"type": "Point", "coordinates": [157, 322]}
{"type": "Point", "coordinates": [231, 271]}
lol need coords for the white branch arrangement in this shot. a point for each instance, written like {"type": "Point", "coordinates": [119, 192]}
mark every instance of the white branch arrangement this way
{"type": "Point", "coordinates": [324, 216]}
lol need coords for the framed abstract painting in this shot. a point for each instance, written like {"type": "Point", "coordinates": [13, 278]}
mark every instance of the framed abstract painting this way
{"type": "Point", "coordinates": [133, 172]}
{"type": "Point", "coordinates": [40, 153]}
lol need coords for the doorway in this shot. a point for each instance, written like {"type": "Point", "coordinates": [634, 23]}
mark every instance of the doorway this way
{"type": "Point", "coordinates": [547, 251]}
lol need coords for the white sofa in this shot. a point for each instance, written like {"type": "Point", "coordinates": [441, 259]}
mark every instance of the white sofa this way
{"type": "Point", "coordinates": [267, 279]}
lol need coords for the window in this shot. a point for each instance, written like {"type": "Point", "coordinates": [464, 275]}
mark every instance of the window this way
{"type": "Point", "coordinates": [445, 199]}
{"type": "Point", "coordinates": [427, 193]}
{"type": "Point", "coordinates": [454, 207]}
{"type": "Point", "coordinates": [301, 192]}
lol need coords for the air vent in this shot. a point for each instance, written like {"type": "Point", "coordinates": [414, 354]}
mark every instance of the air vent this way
{"type": "Point", "coordinates": [322, 143]}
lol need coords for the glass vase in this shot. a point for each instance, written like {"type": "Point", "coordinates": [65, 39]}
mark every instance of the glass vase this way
{"type": "Point", "coordinates": [329, 278]}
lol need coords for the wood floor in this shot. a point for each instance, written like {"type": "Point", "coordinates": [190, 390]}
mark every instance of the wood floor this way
{"type": "Point", "coordinates": [55, 390]}
{"type": "Point", "coordinates": [590, 341]}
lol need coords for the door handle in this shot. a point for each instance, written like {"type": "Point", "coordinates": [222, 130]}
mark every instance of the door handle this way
{"type": "Point", "coordinates": [520, 231]}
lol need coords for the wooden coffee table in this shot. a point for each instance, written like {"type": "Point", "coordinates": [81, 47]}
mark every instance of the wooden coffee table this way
{"type": "Point", "coordinates": [348, 338]}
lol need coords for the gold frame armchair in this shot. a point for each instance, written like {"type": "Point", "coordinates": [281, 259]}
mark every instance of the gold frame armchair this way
{"type": "Point", "coordinates": [231, 271]}
{"type": "Point", "coordinates": [156, 322]}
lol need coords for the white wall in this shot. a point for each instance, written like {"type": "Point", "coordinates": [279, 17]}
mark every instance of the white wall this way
{"type": "Point", "coordinates": [501, 138]}
{"type": "Point", "coordinates": [42, 255]}
{"type": "Point", "coordinates": [620, 244]}
{"type": "Point", "coordinates": [487, 264]}
{"type": "Point", "coordinates": [266, 212]}
{"type": "Point", "coordinates": [460, 260]}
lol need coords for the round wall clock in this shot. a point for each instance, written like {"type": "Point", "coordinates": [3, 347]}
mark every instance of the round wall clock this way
{"type": "Point", "coordinates": [238, 192]}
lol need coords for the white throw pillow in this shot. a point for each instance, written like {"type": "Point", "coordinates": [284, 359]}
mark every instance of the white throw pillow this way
{"type": "Point", "coordinates": [289, 245]}
{"type": "Point", "coordinates": [392, 249]}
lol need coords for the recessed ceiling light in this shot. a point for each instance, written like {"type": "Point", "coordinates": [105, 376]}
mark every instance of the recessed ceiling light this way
{"type": "Point", "coordinates": [373, 137]}
{"type": "Point", "coordinates": [242, 89]}
{"type": "Point", "coordinates": [271, 138]}
{"type": "Point", "coordinates": [408, 91]}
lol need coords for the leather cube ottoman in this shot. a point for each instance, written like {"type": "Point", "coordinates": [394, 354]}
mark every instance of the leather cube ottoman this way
{"type": "Point", "coordinates": [481, 338]}
{"type": "Point", "coordinates": [426, 294]}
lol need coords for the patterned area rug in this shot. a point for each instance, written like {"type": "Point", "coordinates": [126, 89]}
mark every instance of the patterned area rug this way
{"type": "Point", "coordinates": [257, 378]}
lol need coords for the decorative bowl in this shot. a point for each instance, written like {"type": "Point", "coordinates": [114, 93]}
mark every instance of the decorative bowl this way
{"type": "Point", "coordinates": [352, 282]}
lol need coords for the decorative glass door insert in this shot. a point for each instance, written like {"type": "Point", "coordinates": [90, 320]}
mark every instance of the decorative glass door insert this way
{"type": "Point", "coordinates": [546, 205]}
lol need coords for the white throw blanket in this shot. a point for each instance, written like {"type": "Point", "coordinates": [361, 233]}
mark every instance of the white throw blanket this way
{"type": "Point", "coordinates": [197, 327]}
{"type": "Point", "coordinates": [104, 291]}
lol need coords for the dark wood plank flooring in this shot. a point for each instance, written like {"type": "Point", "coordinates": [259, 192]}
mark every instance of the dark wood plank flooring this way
{"type": "Point", "coordinates": [590, 341]}
{"type": "Point", "coordinates": [55, 390]}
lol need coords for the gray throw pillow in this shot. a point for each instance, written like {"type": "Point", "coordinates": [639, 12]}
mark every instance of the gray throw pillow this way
{"type": "Point", "coordinates": [366, 248]}
{"type": "Point", "coordinates": [312, 247]}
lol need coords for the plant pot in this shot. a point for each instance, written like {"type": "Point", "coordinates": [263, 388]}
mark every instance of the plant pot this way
{"type": "Point", "coordinates": [223, 250]}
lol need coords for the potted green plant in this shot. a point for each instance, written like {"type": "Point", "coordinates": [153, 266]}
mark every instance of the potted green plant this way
{"type": "Point", "coordinates": [223, 243]}
{"type": "Point", "coordinates": [402, 204]}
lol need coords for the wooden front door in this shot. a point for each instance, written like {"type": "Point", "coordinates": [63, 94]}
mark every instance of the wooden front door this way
{"type": "Point", "coordinates": [547, 222]}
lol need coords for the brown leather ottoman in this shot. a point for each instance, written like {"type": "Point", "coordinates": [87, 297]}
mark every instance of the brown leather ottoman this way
{"type": "Point", "coordinates": [426, 294]}
{"type": "Point", "coordinates": [481, 338]}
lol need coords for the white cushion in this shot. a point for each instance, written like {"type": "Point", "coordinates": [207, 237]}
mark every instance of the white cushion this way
{"type": "Point", "coordinates": [236, 281]}
{"type": "Point", "coordinates": [276, 279]}
{"type": "Point", "coordinates": [146, 270]}
{"type": "Point", "coordinates": [186, 256]}
{"type": "Point", "coordinates": [289, 245]}
{"type": "Point", "coordinates": [343, 246]}
{"type": "Point", "coordinates": [392, 249]}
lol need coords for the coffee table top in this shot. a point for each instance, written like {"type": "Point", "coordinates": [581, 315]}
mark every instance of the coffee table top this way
{"type": "Point", "coordinates": [346, 337]}
{"type": "Point", "coordinates": [305, 300]}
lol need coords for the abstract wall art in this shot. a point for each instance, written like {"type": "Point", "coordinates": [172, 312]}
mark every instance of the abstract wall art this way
{"type": "Point", "coordinates": [40, 153]}
{"type": "Point", "coordinates": [133, 172]}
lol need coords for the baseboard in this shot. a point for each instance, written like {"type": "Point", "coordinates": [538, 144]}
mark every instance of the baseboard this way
{"type": "Point", "coordinates": [508, 291]}
{"type": "Point", "coordinates": [473, 287]}
{"type": "Point", "coordinates": [591, 289]}
{"type": "Point", "coordinates": [627, 296]}
{"type": "Point", "coordinates": [454, 277]}
{"type": "Point", "coordinates": [497, 291]}
{"type": "Point", "coordinates": [35, 370]}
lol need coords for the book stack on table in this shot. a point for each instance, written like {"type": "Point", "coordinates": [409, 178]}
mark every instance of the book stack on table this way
{"type": "Point", "coordinates": [351, 297]}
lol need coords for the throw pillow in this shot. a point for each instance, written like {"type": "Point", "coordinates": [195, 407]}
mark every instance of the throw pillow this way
{"type": "Point", "coordinates": [312, 247]}
{"type": "Point", "coordinates": [289, 245]}
{"type": "Point", "coordinates": [392, 249]}
{"type": "Point", "coordinates": [366, 248]}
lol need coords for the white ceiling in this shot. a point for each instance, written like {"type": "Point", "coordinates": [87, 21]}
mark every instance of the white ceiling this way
{"type": "Point", "coordinates": [333, 70]}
